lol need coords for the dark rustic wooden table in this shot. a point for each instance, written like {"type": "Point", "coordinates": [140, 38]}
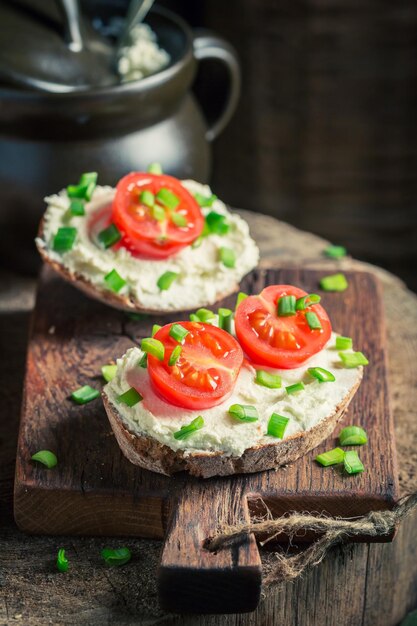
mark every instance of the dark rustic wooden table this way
{"type": "Point", "coordinates": [357, 585]}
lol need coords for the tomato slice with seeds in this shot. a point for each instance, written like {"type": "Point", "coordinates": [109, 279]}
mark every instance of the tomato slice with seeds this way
{"type": "Point", "coordinates": [280, 342]}
{"type": "Point", "coordinates": [143, 234]}
{"type": "Point", "coordinates": [206, 371]}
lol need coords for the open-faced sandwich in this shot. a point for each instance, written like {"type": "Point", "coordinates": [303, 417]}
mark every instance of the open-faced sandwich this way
{"type": "Point", "coordinates": [153, 244]}
{"type": "Point", "coordinates": [234, 392]}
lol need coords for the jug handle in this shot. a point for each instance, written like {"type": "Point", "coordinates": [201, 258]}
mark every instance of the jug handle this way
{"type": "Point", "coordinates": [208, 45]}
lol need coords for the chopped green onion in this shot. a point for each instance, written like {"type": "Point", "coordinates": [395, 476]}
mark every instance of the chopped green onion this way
{"type": "Point", "coordinates": [108, 372]}
{"type": "Point", "coordinates": [197, 242]}
{"type": "Point", "coordinates": [306, 301]}
{"type": "Point", "coordinates": [206, 201]}
{"type": "Point", "coordinates": [353, 359]}
{"type": "Point", "coordinates": [109, 236]}
{"type": "Point", "coordinates": [313, 320]}
{"type": "Point", "coordinates": [295, 388]}
{"type": "Point", "coordinates": [115, 281]}
{"type": "Point", "coordinates": [179, 220]}
{"type": "Point", "coordinates": [117, 557]}
{"type": "Point", "coordinates": [243, 412]}
{"type": "Point", "coordinates": [85, 394]}
{"type": "Point", "coordinates": [286, 306]}
{"type": "Point", "coordinates": [175, 355]}
{"type": "Point", "coordinates": [240, 297]}
{"type": "Point", "coordinates": [186, 431]}
{"type": "Point", "coordinates": [77, 207]}
{"type": "Point", "coordinates": [335, 252]}
{"type": "Point", "coordinates": [216, 223]}
{"type": "Point", "coordinates": [353, 464]}
{"type": "Point", "coordinates": [158, 213]}
{"type": "Point", "coordinates": [85, 187]}
{"type": "Point", "coordinates": [155, 168]}
{"type": "Point", "coordinates": [155, 329]}
{"type": "Point", "coordinates": [227, 257]}
{"type": "Point", "coordinates": [332, 457]}
{"type": "Point", "coordinates": [322, 375]}
{"type": "Point", "coordinates": [143, 361]}
{"type": "Point", "coordinates": [153, 347]}
{"type": "Point", "coordinates": [344, 343]}
{"type": "Point", "coordinates": [277, 425]}
{"type": "Point", "coordinates": [147, 198]}
{"type": "Point", "coordinates": [225, 319]}
{"type": "Point", "coordinates": [335, 282]}
{"type": "Point", "coordinates": [165, 281]}
{"type": "Point", "coordinates": [178, 332]}
{"type": "Point", "coordinates": [272, 381]}
{"type": "Point", "coordinates": [62, 561]}
{"type": "Point", "coordinates": [205, 315]}
{"type": "Point", "coordinates": [46, 457]}
{"type": "Point", "coordinates": [130, 397]}
{"type": "Point", "coordinates": [353, 436]}
{"type": "Point", "coordinates": [167, 198]}
{"type": "Point", "coordinates": [64, 238]}
{"type": "Point", "coordinates": [194, 318]}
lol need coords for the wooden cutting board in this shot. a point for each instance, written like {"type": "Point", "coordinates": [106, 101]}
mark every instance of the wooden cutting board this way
{"type": "Point", "coordinates": [94, 490]}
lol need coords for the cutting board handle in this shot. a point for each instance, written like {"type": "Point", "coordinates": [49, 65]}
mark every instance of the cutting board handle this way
{"type": "Point", "coordinates": [190, 578]}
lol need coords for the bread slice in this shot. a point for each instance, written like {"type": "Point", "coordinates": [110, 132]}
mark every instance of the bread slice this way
{"type": "Point", "coordinates": [150, 454]}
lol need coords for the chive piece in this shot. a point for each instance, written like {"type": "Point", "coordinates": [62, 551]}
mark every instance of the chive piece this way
{"type": "Point", "coordinates": [353, 436]}
{"type": "Point", "coordinates": [117, 557]}
{"type": "Point", "coordinates": [353, 464]}
{"type": "Point", "coordinates": [189, 429]}
{"type": "Point", "coordinates": [85, 394]}
{"type": "Point", "coordinates": [306, 301]}
{"type": "Point", "coordinates": [277, 425]}
{"type": "Point", "coordinates": [227, 257]}
{"type": "Point", "coordinates": [179, 220]}
{"type": "Point", "coordinates": [155, 168]}
{"type": "Point", "coordinates": [335, 252]}
{"type": "Point", "coordinates": [225, 319]}
{"type": "Point", "coordinates": [335, 282]}
{"type": "Point", "coordinates": [130, 397]}
{"type": "Point", "coordinates": [165, 281]}
{"type": "Point", "coordinates": [178, 332]}
{"type": "Point", "coordinates": [344, 343]}
{"type": "Point", "coordinates": [64, 239]}
{"type": "Point", "coordinates": [153, 347]}
{"type": "Point", "coordinates": [109, 236]}
{"type": "Point", "coordinates": [353, 359]}
{"type": "Point", "coordinates": [286, 306]}
{"type": "Point", "coordinates": [272, 381]}
{"type": "Point", "coordinates": [175, 355]}
{"type": "Point", "coordinates": [197, 242]}
{"type": "Point", "coordinates": [244, 412]}
{"type": "Point", "coordinates": [114, 281]}
{"type": "Point", "coordinates": [108, 372]}
{"type": "Point", "coordinates": [205, 315]}
{"type": "Point", "coordinates": [46, 457]}
{"type": "Point", "coordinates": [155, 329]}
{"type": "Point", "coordinates": [143, 361]}
{"type": "Point", "coordinates": [62, 561]}
{"type": "Point", "coordinates": [240, 297]}
{"type": "Point", "coordinates": [322, 375]}
{"type": "Point", "coordinates": [295, 388]}
{"type": "Point", "coordinates": [216, 223]}
{"type": "Point", "coordinates": [313, 320]}
{"type": "Point", "coordinates": [147, 198]}
{"type": "Point", "coordinates": [158, 213]}
{"type": "Point", "coordinates": [77, 207]}
{"type": "Point", "coordinates": [85, 187]}
{"type": "Point", "coordinates": [167, 198]}
{"type": "Point", "coordinates": [206, 201]}
{"type": "Point", "coordinates": [194, 318]}
{"type": "Point", "coordinates": [332, 457]}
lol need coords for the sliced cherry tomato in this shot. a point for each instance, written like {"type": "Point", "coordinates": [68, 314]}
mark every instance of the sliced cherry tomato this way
{"type": "Point", "coordinates": [206, 370]}
{"type": "Point", "coordinates": [143, 233]}
{"type": "Point", "coordinates": [281, 342]}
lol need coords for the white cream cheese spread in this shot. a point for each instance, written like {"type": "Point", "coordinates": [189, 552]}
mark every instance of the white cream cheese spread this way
{"type": "Point", "coordinates": [202, 277]}
{"type": "Point", "coordinates": [221, 432]}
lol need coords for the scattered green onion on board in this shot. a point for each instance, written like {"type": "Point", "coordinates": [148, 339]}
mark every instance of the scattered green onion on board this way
{"type": "Point", "coordinates": [206, 201]}
{"type": "Point", "coordinates": [179, 220]}
{"type": "Point", "coordinates": [155, 168]}
{"type": "Point", "coordinates": [313, 321]}
{"type": "Point", "coordinates": [167, 198]}
{"type": "Point", "coordinates": [136, 317]}
{"type": "Point", "coordinates": [158, 213]}
{"type": "Point", "coordinates": [332, 457]}
{"type": "Point", "coordinates": [344, 343]}
{"type": "Point", "coordinates": [295, 388]}
{"type": "Point", "coordinates": [227, 257]}
{"type": "Point", "coordinates": [114, 281]}
{"type": "Point", "coordinates": [117, 557]}
{"type": "Point", "coordinates": [244, 412]}
{"type": "Point", "coordinates": [143, 361]}
{"type": "Point", "coordinates": [286, 306]}
{"type": "Point", "coordinates": [205, 315]}
{"type": "Point", "coordinates": [225, 319]}
{"type": "Point", "coordinates": [130, 397]}
{"type": "Point", "coordinates": [240, 297]}
{"type": "Point", "coordinates": [353, 464]}
{"type": "Point", "coordinates": [189, 429]}
{"type": "Point", "coordinates": [165, 281]}
{"type": "Point", "coordinates": [46, 457]}
{"type": "Point", "coordinates": [109, 236]}
{"type": "Point", "coordinates": [216, 223]}
{"type": "Point", "coordinates": [147, 198]}
{"type": "Point", "coordinates": [62, 561]}
{"type": "Point", "coordinates": [178, 332]}
{"type": "Point", "coordinates": [277, 425]}
{"type": "Point", "coordinates": [108, 372]}
{"type": "Point", "coordinates": [353, 359]}
{"type": "Point", "coordinates": [84, 394]}
{"type": "Point", "coordinates": [64, 238]}
{"type": "Point", "coordinates": [335, 252]}
{"type": "Point", "coordinates": [155, 329]}
{"type": "Point", "coordinates": [154, 347]}
{"type": "Point", "coordinates": [322, 375]}
{"type": "Point", "coordinates": [334, 282]}
{"type": "Point", "coordinates": [266, 379]}
{"type": "Point", "coordinates": [353, 436]}
{"type": "Point", "coordinates": [306, 301]}
{"type": "Point", "coordinates": [175, 355]}
{"type": "Point", "coordinates": [77, 207]}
